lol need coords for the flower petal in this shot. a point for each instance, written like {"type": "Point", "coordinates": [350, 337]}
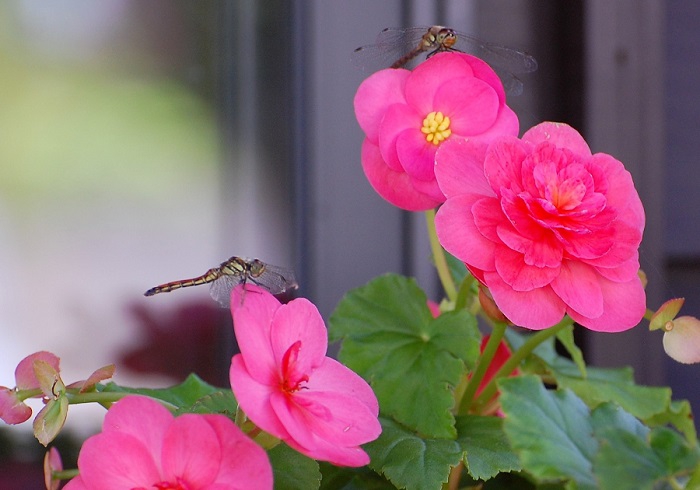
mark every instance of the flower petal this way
{"type": "Point", "coordinates": [503, 162]}
{"type": "Point", "coordinates": [299, 321]}
{"type": "Point", "coordinates": [520, 276]}
{"type": "Point", "coordinates": [544, 308]}
{"type": "Point", "coordinates": [334, 376]}
{"type": "Point", "coordinates": [393, 186]}
{"type": "Point", "coordinates": [191, 451]}
{"type": "Point", "coordinates": [399, 120]}
{"type": "Point", "coordinates": [459, 168]}
{"type": "Point", "coordinates": [578, 286]}
{"type": "Point", "coordinates": [117, 460]}
{"type": "Point", "coordinates": [427, 78]}
{"type": "Point", "coordinates": [624, 305]}
{"type": "Point", "coordinates": [416, 155]}
{"type": "Point", "coordinates": [244, 464]}
{"type": "Point", "coordinates": [252, 321]}
{"type": "Point", "coordinates": [459, 235]}
{"type": "Point", "coordinates": [471, 104]}
{"type": "Point", "coordinates": [375, 94]}
{"type": "Point", "coordinates": [559, 134]}
{"type": "Point", "coordinates": [254, 398]}
{"type": "Point", "coordinates": [141, 418]}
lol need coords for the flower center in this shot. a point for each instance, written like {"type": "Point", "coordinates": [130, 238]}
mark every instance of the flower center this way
{"type": "Point", "coordinates": [436, 127]}
{"type": "Point", "coordinates": [164, 485]}
{"type": "Point", "coordinates": [292, 379]}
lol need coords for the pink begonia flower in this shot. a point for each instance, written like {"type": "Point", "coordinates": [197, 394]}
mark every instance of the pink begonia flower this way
{"type": "Point", "coordinates": [12, 409]}
{"type": "Point", "coordinates": [682, 339]}
{"type": "Point", "coordinates": [287, 386]}
{"type": "Point", "coordinates": [406, 115]}
{"type": "Point", "coordinates": [548, 227]}
{"type": "Point", "coordinates": [143, 446]}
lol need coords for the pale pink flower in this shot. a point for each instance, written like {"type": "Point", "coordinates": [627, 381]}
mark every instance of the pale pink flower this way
{"type": "Point", "coordinates": [406, 115]}
{"type": "Point", "coordinates": [142, 446]}
{"type": "Point", "coordinates": [287, 386]}
{"type": "Point", "coordinates": [12, 409]}
{"type": "Point", "coordinates": [548, 227]}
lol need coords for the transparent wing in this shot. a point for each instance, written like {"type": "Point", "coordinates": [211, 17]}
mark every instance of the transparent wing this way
{"type": "Point", "coordinates": [220, 290]}
{"type": "Point", "coordinates": [496, 55]}
{"type": "Point", "coordinates": [275, 279]}
{"type": "Point", "coordinates": [392, 44]}
{"type": "Point", "coordinates": [505, 61]}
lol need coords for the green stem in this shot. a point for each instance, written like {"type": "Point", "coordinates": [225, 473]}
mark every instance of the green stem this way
{"type": "Point", "coordinates": [516, 358]}
{"type": "Point", "coordinates": [107, 398]}
{"type": "Point", "coordinates": [439, 258]}
{"type": "Point", "coordinates": [64, 474]}
{"type": "Point", "coordinates": [648, 314]}
{"type": "Point", "coordinates": [499, 330]}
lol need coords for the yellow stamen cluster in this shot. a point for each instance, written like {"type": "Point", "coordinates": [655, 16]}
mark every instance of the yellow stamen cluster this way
{"type": "Point", "coordinates": [436, 128]}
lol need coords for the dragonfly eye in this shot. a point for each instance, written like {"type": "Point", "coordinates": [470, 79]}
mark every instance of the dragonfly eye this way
{"type": "Point", "coordinates": [257, 267]}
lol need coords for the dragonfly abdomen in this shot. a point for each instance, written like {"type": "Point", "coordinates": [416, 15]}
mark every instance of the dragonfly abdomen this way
{"type": "Point", "coordinates": [210, 276]}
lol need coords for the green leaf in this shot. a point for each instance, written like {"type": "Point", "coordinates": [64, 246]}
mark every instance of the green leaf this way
{"type": "Point", "coordinates": [488, 451]}
{"type": "Point", "coordinates": [410, 461]}
{"type": "Point", "coordinates": [336, 478]}
{"type": "Point", "coordinates": [182, 396]}
{"type": "Point", "coordinates": [627, 460]}
{"type": "Point", "coordinates": [680, 414]}
{"type": "Point", "coordinates": [50, 420]}
{"type": "Point", "coordinates": [550, 430]}
{"type": "Point", "coordinates": [292, 470]}
{"type": "Point", "coordinates": [412, 360]}
{"type": "Point", "coordinates": [611, 416]}
{"type": "Point", "coordinates": [222, 402]}
{"type": "Point", "coordinates": [604, 385]}
{"type": "Point", "coordinates": [600, 384]}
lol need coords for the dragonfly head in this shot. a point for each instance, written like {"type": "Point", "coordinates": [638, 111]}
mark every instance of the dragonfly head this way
{"type": "Point", "coordinates": [445, 38]}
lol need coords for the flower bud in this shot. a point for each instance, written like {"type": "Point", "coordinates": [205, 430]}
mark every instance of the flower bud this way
{"type": "Point", "coordinates": [682, 339]}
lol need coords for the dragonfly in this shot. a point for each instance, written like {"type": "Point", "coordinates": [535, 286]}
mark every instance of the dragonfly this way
{"type": "Point", "coordinates": [397, 48]}
{"type": "Point", "coordinates": [231, 273]}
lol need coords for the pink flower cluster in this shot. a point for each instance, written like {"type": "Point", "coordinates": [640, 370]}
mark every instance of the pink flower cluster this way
{"type": "Point", "coordinates": [550, 228]}
{"type": "Point", "coordinates": [284, 383]}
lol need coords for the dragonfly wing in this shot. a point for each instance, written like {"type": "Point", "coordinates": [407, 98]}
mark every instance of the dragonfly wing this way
{"type": "Point", "coordinates": [220, 290]}
{"type": "Point", "coordinates": [510, 59]}
{"type": "Point", "coordinates": [391, 45]}
{"type": "Point", "coordinates": [505, 61]}
{"type": "Point", "coordinates": [276, 279]}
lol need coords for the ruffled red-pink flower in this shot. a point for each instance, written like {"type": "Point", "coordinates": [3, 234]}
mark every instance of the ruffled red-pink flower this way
{"type": "Point", "coordinates": [287, 386]}
{"type": "Point", "coordinates": [143, 446]}
{"type": "Point", "coordinates": [393, 105]}
{"type": "Point", "coordinates": [548, 227]}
